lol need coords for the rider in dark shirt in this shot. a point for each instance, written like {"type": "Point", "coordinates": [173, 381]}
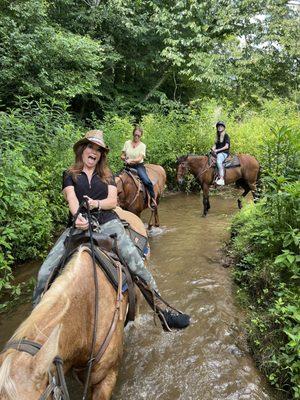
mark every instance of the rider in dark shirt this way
{"type": "Point", "coordinates": [221, 148]}
{"type": "Point", "coordinates": [89, 178]}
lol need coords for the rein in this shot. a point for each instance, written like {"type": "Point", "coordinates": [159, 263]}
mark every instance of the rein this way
{"type": "Point", "coordinates": [208, 167]}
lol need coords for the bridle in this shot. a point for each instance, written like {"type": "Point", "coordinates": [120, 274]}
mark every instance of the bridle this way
{"type": "Point", "coordinates": [57, 386]}
{"type": "Point", "coordinates": [184, 164]}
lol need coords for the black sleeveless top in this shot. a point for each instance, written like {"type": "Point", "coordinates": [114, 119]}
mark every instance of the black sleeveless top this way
{"type": "Point", "coordinates": [226, 140]}
{"type": "Point", "coordinates": [96, 190]}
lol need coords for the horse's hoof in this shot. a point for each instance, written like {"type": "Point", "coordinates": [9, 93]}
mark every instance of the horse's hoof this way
{"type": "Point", "coordinates": [239, 204]}
{"type": "Point", "coordinates": [204, 215]}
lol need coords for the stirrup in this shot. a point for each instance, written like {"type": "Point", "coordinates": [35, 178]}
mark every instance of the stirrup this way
{"type": "Point", "coordinates": [153, 204]}
{"type": "Point", "coordinates": [172, 320]}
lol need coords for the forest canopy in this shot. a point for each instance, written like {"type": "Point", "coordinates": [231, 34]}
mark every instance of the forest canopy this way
{"type": "Point", "coordinates": [130, 56]}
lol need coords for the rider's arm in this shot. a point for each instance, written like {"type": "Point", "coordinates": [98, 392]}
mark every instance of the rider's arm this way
{"type": "Point", "coordinates": [70, 196]}
{"type": "Point", "coordinates": [222, 148]}
{"type": "Point", "coordinates": [140, 157]}
{"type": "Point", "coordinates": [123, 155]}
{"type": "Point", "coordinates": [111, 200]}
{"type": "Point", "coordinates": [135, 160]}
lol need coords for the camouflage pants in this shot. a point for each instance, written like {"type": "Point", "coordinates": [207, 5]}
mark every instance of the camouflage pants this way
{"type": "Point", "coordinates": [126, 248]}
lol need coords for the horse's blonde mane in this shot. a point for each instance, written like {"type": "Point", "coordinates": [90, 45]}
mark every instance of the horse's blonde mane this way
{"type": "Point", "coordinates": [58, 293]}
{"type": "Point", "coordinates": [7, 386]}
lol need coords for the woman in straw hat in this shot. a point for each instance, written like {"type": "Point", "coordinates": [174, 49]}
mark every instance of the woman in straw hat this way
{"type": "Point", "coordinates": [90, 178]}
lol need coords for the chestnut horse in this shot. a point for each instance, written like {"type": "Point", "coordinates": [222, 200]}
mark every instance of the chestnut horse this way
{"type": "Point", "coordinates": [131, 196]}
{"type": "Point", "coordinates": [62, 324]}
{"type": "Point", "coordinates": [245, 176]}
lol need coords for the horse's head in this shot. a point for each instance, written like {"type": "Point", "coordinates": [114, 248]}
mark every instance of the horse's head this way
{"type": "Point", "coordinates": [182, 168]}
{"type": "Point", "coordinates": [23, 376]}
{"type": "Point", "coordinates": [121, 190]}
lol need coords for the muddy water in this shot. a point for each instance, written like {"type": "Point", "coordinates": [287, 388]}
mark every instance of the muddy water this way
{"type": "Point", "coordinates": [205, 361]}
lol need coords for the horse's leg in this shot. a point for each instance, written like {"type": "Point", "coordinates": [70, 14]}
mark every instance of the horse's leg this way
{"type": "Point", "coordinates": [156, 218]}
{"type": "Point", "coordinates": [150, 220]}
{"type": "Point", "coordinates": [103, 389]}
{"type": "Point", "coordinates": [246, 188]}
{"type": "Point", "coordinates": [206, 204]}
{"type": "Point", "coordinates": [253, 189]}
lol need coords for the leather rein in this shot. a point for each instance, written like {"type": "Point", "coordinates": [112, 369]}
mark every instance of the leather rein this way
{"type": "Point", "coordinates": [57, 383]}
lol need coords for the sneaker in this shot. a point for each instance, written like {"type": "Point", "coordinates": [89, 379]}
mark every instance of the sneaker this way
{"type": "Point", "coordinates": [173, 320]}
{"type": "Point", "coordinates": [220, 182]}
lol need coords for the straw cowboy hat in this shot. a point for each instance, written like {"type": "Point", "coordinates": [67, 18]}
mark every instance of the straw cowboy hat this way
{"type": "Point", "coordinates": [94, 136]}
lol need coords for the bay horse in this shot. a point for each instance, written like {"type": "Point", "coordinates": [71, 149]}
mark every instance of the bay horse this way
{"type": "Point", "coordinates": [245, 176]}
{"type": "Point", "coordinates": [62, 325]}
{"type": "Point", "coordinates": [131, 196]}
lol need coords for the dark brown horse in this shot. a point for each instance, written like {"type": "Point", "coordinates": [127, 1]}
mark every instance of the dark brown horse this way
{"type": "Point", "coordinates": [131, 195]}
{"type": "Point", "coordinates": [245, 175]}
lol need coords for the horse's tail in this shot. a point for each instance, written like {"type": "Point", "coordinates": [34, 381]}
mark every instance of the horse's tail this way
{"type": "Point", "coordinates": [258, 190]}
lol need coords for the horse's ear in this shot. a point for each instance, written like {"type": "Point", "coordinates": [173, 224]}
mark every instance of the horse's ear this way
{"type": "Point", "coordinates": [43, 360]}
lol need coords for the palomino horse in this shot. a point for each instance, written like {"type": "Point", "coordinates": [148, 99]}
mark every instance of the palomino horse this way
{"type": "Point", "coordinates": [245, 176]}
{"type": "Point", "coordinates": [62, 324]}
{"type": "Point", "coordinates": [130, 193]}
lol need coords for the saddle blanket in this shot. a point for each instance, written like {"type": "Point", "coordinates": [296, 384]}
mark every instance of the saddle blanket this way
{"type": "Point", "coordinates": [232, 162]}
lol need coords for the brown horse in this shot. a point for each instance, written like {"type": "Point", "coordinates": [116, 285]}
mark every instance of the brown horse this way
{"type": "Point", "coordinates": [131, 195]}
{"type": "Point", "coordinates": [62, 323]}
{"type": "Point", "coordinates": [245, 176]}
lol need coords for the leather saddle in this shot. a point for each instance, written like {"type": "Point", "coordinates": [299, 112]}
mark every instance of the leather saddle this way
{"type": "Point", "coordinates": [232, 162]}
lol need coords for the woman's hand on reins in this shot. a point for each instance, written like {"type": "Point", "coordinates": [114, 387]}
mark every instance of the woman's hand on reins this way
{"type": "Point", "coordinates": [81, 223]}
{"type": "Point", "coordinates": [92, 203]}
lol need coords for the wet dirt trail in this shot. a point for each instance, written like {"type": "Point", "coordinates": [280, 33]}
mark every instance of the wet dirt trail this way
{"type": "Point", "coordinates": [206, 361]}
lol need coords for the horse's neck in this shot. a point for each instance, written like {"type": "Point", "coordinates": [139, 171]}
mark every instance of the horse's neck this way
{"type": "Point", "coordinates": [131, 187]}
{"type": "Point", "coordinates": [64, 304]}
{"type": "Point", "coordinates": [198, 164]}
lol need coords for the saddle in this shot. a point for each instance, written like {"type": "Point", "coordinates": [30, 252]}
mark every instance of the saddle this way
{"type": "Point", "coordinates": [232, 162]}
{"type": "Point", "coordinates": [107, 258]}
{"type": "Point", "coordinates": [134, 172]}
{"type": "Point", "coordinates": [229, 162]}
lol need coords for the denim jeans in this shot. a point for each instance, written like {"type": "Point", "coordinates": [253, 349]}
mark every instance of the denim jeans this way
{"type": "Point", "coordinates": [142, 173]}
{"type": "Point", "coordinates": [126, 247]}
{"type": "Point", "coordinates": [221, 157]}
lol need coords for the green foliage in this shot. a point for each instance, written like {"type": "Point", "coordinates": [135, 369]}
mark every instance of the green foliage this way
{"type": "Point", "coordinates": [36, 146]}
{"type": "Point", "coordinates": [266, 246]}
{"type": "Point", "coordinates": [129, 56]}
{"type": "Point", "coordinates": [42, 60]}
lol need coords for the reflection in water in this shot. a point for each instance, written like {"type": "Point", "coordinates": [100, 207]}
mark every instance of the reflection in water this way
{"type": "Point", "coordinates": [204, 361]}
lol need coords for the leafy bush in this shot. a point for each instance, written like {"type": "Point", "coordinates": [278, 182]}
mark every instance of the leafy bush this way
{"type": "Point", "coordinates": [265, 243]}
